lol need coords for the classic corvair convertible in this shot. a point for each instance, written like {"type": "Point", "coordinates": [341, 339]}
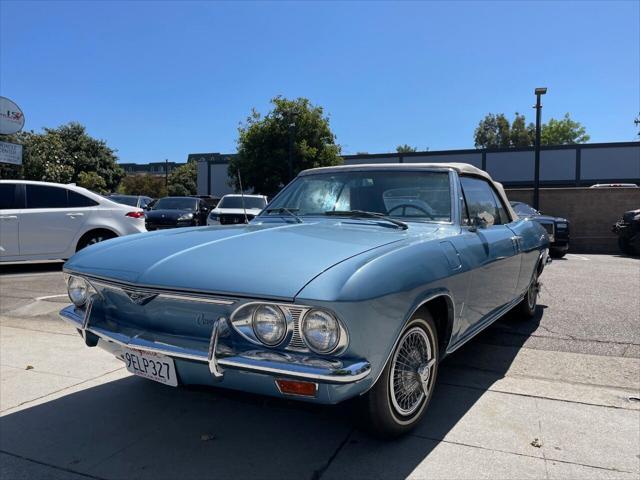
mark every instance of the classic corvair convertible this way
{"type": "Point", "coordinates": [353, 283]}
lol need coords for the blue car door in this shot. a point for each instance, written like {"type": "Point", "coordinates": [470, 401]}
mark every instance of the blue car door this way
{"type": "Point", "coordinates": [491, 252]}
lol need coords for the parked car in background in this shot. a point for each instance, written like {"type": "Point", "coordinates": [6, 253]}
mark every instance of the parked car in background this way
{"type": "Point", "coordinates": [614, 185]}
{"type": "Point", "coordinates": [628, 231]}
{"type": "Point", "coordinates": [209, 200]}
{"type": "Point", "coordinates": [172, 212]}
{"type": "Point", "coordinates": [139, 201]}
{"type": "Point", "coordinates": [233, 209]}
{"type": "Point", "coordinates": [353, 284]}
{"type": "Point", "coordinates": [48, 221]}
{"type": "Point", "coordinates": [557, 228]}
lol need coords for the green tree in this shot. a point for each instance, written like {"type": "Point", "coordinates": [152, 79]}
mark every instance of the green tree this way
{"type": "Point", "coordinates": [406, 148]}
{"type": "Point", "coordinates": [263, 145]}
{"type": "Point", "coordinates": [183, 180]}
{"type": "Point", "coordinates": [148, 185]}
{"type": "Point", "coordinates": [563, 132]}
{"type": "Point", "coordinates": [93, 182]}
{"type": "Point", "coordinates": [494, 131]}
{"type": "Point", "coordinates": [61, 154]}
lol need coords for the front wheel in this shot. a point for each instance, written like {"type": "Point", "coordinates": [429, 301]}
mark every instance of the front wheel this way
{"type": "Point", "coordinates": [399, 399]}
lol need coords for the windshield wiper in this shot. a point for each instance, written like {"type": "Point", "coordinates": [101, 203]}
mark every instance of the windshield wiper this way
{"type": "Point", "coordinates": [289, 211]}
{"type": "Point", "coordinates": [365, 214]}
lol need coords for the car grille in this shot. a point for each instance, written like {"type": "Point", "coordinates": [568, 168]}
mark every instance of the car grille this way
{"type": "Point", "coordinates": [296, 342]}
{"type": "Point", "coordinates": [232, 219]}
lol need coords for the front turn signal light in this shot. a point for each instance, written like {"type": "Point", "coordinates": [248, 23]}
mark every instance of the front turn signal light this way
{"type": "Point", "coordinates": [297, 387]}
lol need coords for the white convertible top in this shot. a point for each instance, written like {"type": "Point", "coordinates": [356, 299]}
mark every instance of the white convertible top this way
{"type": "Point", "coordinates": [462, 168]}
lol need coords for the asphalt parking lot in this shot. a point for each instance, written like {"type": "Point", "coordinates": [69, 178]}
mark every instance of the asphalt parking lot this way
{"type": "Point", "coordinates": [556, 397]}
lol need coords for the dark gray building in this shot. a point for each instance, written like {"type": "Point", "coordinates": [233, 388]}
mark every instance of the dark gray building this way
{"type": "Point", "coordinates": [560, 165]}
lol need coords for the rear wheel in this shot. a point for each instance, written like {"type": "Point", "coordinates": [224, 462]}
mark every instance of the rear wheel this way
{"type": "Point", "coordinates": [93, 237]}
{"type": "Point", "coordinates": [398, 400]}
{"type": "Point", "coordinates": [527, 307]}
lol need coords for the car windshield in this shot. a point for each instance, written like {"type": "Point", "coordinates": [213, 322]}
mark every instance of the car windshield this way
{"type": "Point", "coordinates": [415, 195]}
{"type": "Point", "coordinates": [236, 202]}
{"type": "Point", "coordinates": [124, 199]}
{"type": "Point", "coordinates": [523, 209]}
{"type": "Point", "coordinates": [176, 203]}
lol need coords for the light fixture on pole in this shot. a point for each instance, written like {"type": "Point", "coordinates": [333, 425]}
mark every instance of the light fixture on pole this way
{"type": "Point", "coordinates": [536, 180]}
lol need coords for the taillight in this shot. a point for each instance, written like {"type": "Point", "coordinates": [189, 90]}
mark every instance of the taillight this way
{"type": "Point", "coordinates": [135, 214]}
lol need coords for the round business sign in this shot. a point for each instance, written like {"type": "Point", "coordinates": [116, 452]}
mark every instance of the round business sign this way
{"type": "Point", "coordinates": [11, 117]}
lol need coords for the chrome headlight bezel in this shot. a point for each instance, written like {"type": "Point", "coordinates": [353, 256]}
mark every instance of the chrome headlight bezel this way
{"type": "Point", "coordinates": [275, 311]}
{"type": "Point", "coordinates": [79, 290]}
{"type": "Point", "coordinates": [338, 331]}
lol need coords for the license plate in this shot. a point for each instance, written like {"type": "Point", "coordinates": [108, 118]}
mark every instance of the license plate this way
{"type": "Point", "coordinates": [153, 366]}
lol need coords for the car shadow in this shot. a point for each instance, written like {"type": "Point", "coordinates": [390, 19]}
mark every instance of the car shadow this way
{"type": "Point", "coordinates": [136, 428]}
{"type": "Point", "coordinates": [31, 267]}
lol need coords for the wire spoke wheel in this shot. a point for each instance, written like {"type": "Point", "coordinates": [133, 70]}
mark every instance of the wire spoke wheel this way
{"type": "Point", "coordinates": [412, 376]}
{"type": "Point", "coordinates": [532, 293]}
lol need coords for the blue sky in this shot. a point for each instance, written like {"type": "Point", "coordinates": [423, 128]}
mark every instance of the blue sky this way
{"type": "Point", "coordinates": [158, 80]}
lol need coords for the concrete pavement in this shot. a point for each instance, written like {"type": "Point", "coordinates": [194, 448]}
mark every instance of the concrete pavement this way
{"type": "Point", "coordinates": [550, 398]}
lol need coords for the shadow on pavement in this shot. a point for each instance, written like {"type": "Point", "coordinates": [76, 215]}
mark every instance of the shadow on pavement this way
{"type": "Point", "coordinates": [22, 267]}
{"type": "Point", "coordinates": [136, 428]}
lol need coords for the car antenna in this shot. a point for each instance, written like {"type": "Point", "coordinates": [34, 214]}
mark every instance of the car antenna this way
{"type": "Point", "coordinates": [246, 220]}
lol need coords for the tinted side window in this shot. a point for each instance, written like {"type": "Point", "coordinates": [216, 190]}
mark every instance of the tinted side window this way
{"type": "Point", "coordinates": [8, 196]}
{"type": "Point", "coordinates": [482, 202]}
{"type": "Point", "coordinates": [78, 200]}
{"type": "Point", "coordinates": [42, 196]}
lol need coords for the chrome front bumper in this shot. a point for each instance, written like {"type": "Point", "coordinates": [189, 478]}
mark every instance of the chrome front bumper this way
{"type": "Point", "coordinates": [219, 356]}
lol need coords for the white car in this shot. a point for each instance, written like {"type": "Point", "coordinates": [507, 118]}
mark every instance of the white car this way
{"type": "Point", "coordinates": [49, 221]}
{"type": "Point", "coordinates": [231, 209]}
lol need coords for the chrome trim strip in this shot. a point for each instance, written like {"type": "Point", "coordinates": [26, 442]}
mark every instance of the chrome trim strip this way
{"type": "Point", "coordinates": [173, 294]}
{"type": "Point", "coordinates": [289, 365]}
{"type": "Point", "coordinates": [159, 293]}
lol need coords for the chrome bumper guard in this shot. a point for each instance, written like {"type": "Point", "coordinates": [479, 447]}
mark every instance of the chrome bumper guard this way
{"type": "Point", "coordinates": [220, 356]}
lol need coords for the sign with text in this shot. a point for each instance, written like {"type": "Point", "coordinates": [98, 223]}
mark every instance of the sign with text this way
{"type": "Point", "coordinates": [10, 153]}
{"type": "Point", "coordinates": [11, 117]}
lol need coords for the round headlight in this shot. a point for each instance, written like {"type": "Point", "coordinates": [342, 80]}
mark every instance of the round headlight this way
{"type": "Point", "coordinates": [321, 331]}
{"type": "Point", "coordinates": [269, 324]}
{"type": "Point", "coordinates": [78, 290]}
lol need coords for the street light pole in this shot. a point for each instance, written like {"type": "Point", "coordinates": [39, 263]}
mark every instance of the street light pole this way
{"type": "Point", "coordinates": [536, 180]}
{"type": "Point", "coordinates": [292, 127]}
{"type": "Point", "coordinates": [166, 173]}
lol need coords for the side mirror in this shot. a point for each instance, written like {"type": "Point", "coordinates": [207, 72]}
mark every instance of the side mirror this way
{"type": "Point", "coordinates": [478, 222]}
{"type": "Point", "coordinates": [204, 209]}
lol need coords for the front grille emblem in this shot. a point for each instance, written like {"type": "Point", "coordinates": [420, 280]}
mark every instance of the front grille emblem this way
{"type": "Point", "coordinates": [140, 298]}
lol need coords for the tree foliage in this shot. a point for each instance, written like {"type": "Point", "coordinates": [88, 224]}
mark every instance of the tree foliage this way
{"type": "Point", "coordinates": [406, 148]}
{"type": "Point", "coordinates": [183, 180]}
{"type": "Point", "coordinates": [495, 131]}
{"type": "Point", "coordinates": [263, 145]}
{"type": "Point", "coordinates": [92, 181]}
{"type": "Point", "coordinates": [61, 154]}
{"type": "Point", "coordinates": [563, 132]}
{"type": "Point", "coordinates": [148, 185]}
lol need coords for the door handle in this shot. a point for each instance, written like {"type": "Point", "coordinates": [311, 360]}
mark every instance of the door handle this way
{"type": "Point", "coordinates": [73, 215]}
{"type": "Point", "coordinates": [8, 217]}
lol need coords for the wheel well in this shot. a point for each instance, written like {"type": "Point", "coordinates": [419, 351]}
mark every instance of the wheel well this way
{"type": "Point", "coordinates": [442, 312]}
{"type": "Point", "coordinates": [95, 231]}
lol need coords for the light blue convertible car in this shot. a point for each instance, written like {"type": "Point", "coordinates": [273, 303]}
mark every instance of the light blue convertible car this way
{"type": "Point", "coordinates": [353, 283]}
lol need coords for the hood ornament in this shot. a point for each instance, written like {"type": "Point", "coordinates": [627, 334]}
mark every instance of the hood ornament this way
{"type": "Point", "coordinates": [140, 298]}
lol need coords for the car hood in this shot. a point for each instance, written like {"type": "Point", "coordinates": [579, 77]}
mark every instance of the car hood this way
{"type": "Point", "coordinates": [172, 214]}
{"type": "Point", "coordinates": [262, 260]}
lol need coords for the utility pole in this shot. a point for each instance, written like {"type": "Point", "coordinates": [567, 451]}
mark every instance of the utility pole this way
{"type": "Point", "coordinates": [536, 180]}
{"type": "Point", "coordinates": [166, 173]}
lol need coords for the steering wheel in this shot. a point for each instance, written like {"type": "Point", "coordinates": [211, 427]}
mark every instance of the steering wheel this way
{"type": "Point", "coordinates": [404, 206]}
